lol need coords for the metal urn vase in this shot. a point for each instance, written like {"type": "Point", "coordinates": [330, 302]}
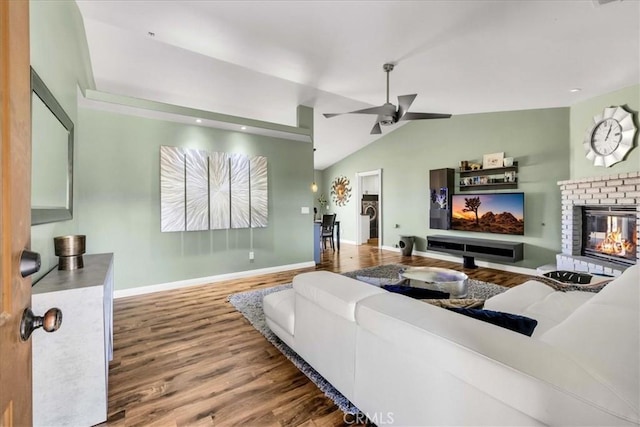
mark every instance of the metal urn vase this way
{"type": "Point", "coordinates": [69, 249]}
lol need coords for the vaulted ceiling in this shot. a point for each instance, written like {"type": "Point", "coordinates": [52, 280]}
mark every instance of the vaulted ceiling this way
{"type": "Point", "coordinates": [260, 59]}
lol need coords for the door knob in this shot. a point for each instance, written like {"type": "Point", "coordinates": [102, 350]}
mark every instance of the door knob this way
{"type": "Point", "coordinates": [29, 263]}
{"type": "Point", "coordinates": [50, 322]}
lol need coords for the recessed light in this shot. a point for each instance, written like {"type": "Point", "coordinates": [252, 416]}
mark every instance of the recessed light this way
{"type": "Point", "coordinates": [198, 120]}
{"type": "Point", "coordinates": [243, 128]}
{"type": "Point", "coordinates": [575, 89]}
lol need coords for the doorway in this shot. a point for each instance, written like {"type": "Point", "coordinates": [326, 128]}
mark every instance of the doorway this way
{"type": "Point", "coordinates": [369, 215]}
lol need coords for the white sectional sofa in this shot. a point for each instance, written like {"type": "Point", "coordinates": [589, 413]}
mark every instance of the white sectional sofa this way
{"type": "Point", "coordinates": [407, 362]}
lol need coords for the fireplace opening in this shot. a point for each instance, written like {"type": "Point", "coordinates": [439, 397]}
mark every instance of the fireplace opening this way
{"type": "Point", "coordinates": [609, 233]}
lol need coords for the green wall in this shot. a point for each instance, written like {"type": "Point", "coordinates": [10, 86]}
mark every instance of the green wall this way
{"type": "Point", "coordinates": [537, 139]}
{"type": "Point", "coordinates": [582, 118]}
{"type": "Point", "coordinates": [118, 172]}
{"type": "Point", "coordinates": [60, 56]}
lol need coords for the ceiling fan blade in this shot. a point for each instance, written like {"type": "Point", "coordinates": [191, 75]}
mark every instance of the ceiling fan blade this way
{"type": "Point", "coordinates": [404, 102]}
{"type": "Point", "coordinates": [376, 130]}
{"type": "Point", "coordinates": [422, 116]}
{"type": "Point", "coordinates": [373, 110]}
{"type": "Point", "coordinates": [388, 114]}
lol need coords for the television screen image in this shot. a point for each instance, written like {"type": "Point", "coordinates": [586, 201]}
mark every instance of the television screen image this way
{"type": "Point", "coordinates": [488, 213]}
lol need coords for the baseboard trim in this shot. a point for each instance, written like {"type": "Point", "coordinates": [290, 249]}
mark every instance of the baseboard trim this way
{"type": "Point", "coordinates": [142, 290]}
{"type": "Point", "coordinates": [480, 263]}
{"type": "Point", "coordinates": [348, 242]}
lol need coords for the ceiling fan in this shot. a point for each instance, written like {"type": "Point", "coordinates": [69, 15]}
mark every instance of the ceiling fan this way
{"type": "Point", "coordinates": [388, 114]}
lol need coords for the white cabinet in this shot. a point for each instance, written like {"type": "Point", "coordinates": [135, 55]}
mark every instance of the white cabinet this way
{"type": "Point", "coordinates": [71, 365]}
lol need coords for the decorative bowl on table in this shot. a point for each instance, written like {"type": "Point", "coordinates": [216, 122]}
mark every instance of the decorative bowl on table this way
{"type": "Point", "coordinates": [439, 279]}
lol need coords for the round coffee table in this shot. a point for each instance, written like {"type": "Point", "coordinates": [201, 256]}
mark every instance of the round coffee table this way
{"type": "Point", "coordinates": [437, 279]}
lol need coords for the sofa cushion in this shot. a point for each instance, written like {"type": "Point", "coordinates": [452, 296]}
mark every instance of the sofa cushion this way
{"type": "Point", "coordinates": [517, 299]}
{"type": "Point", "coordinates": [540, 302]}
{"type": "Point", "coordinates": [521, 324]}
{"type": "Point", "coordinates": [334, 292]}
{"type": "Point", "coordinates": [603, 336]}
{"type": "Point", "coordinates": [279, 308]}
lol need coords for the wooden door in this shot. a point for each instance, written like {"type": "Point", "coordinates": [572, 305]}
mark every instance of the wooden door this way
{"type": "Point", "coordinates": [15, 211]}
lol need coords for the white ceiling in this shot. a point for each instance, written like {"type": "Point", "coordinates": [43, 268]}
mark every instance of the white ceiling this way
{"type": "Point", "coordinates": [260, 59]}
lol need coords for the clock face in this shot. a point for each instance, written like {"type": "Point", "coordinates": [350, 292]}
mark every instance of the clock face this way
{"type": "Point", "coordinates": [610, 137]}
{"type": "Point", "coordinates": [606, 137]}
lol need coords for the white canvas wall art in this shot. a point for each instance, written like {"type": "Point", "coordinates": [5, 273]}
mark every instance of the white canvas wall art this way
{"type": "Point", "coordinates": [219, 192]}
{"type": "Point", "coordinates": [202, 190]}
{"type": "Point", "coordinates": [172, 189]}
{"type": "Point", "coordinates": [259, 191]}
{"type": "Point", "coordinates": [239, 165]}
{"type": "Point", "coordinates": [197, 190]}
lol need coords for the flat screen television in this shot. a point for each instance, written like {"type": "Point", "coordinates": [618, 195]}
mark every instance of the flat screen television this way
{"type": "Point", "coordinates": [488, 213]}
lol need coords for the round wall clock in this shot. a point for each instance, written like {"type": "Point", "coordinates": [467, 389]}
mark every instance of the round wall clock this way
{"type": "Point", "coordinates": [341, 190]}
{"type": "Point", "coordinates": [610, 137]}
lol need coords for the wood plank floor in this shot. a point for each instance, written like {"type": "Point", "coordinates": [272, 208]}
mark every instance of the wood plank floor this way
{"type": "Point", "coordinates": [188, 358]}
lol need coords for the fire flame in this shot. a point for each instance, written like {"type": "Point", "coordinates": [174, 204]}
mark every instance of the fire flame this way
{"type": "Point", "coordinates": [614, 244]}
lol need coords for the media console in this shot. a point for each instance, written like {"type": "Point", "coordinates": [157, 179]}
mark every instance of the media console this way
{"type": "Point", "coordinates": [469, 248]}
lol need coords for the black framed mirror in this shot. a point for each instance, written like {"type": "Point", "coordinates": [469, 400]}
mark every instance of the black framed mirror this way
{"type": "Point", "coordinates": [51, 157]}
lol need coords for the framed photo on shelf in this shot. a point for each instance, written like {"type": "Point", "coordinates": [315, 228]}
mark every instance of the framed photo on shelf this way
{"type": "Point", "coordinates": [510, 176]}
{"type": "Point", "coordinates": [494, 160]}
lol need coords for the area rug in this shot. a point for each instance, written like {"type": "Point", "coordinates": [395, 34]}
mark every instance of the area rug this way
{"type": "Point", "coordinates": [250, 305]}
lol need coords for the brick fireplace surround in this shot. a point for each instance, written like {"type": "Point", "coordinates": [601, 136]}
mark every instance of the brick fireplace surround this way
{"type": "Point", "coordinates": [614, 190]}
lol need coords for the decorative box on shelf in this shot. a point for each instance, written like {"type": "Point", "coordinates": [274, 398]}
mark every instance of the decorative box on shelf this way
{"type": "Point", "coordinates": [501, 178]}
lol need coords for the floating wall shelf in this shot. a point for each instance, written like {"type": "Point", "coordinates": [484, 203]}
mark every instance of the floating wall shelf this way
{"type": "Point", "coordinates": [490, 179]}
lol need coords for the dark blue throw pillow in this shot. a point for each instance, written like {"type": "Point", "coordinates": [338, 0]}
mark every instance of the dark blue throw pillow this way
{"type": "Point", "coordinates": [521, 324]}
{"type": "Point", "coordinates": [417, 293]}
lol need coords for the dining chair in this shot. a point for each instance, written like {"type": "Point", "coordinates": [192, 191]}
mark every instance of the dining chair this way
{"type": "Point", "coordinates": [328, 222]}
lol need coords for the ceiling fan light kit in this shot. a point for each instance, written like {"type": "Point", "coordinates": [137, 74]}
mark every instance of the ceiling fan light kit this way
{"type": "Point", "coordinates": [388, 114]}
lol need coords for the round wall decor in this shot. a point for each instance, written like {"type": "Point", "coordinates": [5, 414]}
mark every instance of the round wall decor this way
{"type": "Point", "coordinates": [610, 137]}
{"type": "Point", "coordinates": [341, 190]}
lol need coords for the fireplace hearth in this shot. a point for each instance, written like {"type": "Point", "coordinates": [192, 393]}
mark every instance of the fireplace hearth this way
{"type": "Point", "coordinates": [609, 233]}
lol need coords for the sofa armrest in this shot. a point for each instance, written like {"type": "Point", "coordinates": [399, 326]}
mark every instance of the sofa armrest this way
{"type": "Point", "coordinates": [334, 292]}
